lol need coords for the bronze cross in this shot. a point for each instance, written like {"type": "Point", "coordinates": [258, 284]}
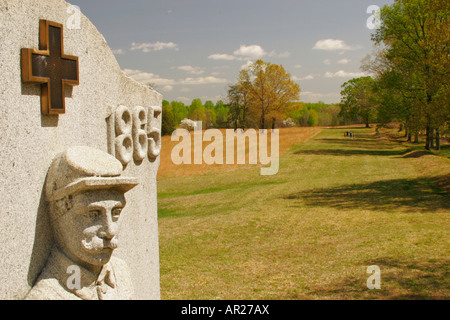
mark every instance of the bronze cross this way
{"type": "Point", "coordinates": [50, 67]}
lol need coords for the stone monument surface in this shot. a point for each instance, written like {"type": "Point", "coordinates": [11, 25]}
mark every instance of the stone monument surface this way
{"type": "Point", "coordinates": [106, 128]}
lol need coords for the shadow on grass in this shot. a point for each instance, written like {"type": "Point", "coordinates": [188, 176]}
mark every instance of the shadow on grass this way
{"type": "Point", "coordinates": [366, 142]}
{"type": "Point", "coordinates": [420, 279]}
{"type": "Point", "coordinates": [445, 150]}
{"type": "Point", "coordinates": [421, 194]}
{"type": "Point", "coordinates": [350, 128]}
{"type": "Point", "coordinates": [350, 152]}
{"type": "Point", "coordinates": [348, 140]}
{"type": "Point", "coordinates": [416, 154]}
{"type": "Point", "coordinates": [401, 279]}
{"type": "Point", "coordinates": [366, 145]}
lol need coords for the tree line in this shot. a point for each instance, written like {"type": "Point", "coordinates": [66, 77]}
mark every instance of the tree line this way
{"type": "Point", "coordinates": [228, 116]}
{"type": "Point", "coordinates": [410, 72]}
{"type": "Point", "coordinates": [263, 97]}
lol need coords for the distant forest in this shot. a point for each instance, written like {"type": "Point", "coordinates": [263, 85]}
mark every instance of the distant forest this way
{"type": "Point", "coordinates": [222, 115]}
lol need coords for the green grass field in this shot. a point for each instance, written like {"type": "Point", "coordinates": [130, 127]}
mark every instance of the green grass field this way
{"type": "Point", "coordinates": [335, 207]}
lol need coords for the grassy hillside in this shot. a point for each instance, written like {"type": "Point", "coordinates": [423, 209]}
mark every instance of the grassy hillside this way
{"type": "Point", "coordinates": [336, 206]}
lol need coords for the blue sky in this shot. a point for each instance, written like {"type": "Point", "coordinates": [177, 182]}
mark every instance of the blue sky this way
{"type": "Point", "coordinates": [195, 48]}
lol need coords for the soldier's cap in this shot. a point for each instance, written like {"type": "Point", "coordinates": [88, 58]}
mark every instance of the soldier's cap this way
{"type": "Point", "coordinates": [83, 168]}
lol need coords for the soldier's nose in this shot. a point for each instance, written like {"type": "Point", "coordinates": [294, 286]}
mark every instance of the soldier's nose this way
{"type": "Point", "coordinates": [109, 228]}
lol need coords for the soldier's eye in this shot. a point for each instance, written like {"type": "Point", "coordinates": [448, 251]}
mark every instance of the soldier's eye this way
{"type": "Point", "coordinates": [116, 213]}
{"type": "Point", "coordinates": [94, 214]}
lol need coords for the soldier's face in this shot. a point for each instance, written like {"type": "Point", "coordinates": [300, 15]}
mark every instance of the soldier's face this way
{"type": "Point", "coordinates": [88, 232]}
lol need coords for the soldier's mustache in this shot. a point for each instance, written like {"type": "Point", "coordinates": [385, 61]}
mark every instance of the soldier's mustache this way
{"type": "Point", "coordinates": [112, 244]}
{"type": "Point", "coordinates": [97, 244]}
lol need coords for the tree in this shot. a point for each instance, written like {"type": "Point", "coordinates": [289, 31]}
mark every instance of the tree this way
{"type": "Point", "coordinates": [358, 99]}
{"type": "Point", "coordinates": [180, 111]}
{"type": "Point", "coordinates": [396, 101]}
{"type": "Point", "coordinates": [209, 105]}
{"type": "Point", "coordinates": [313, 118]}
{"type": "Point", "coordinates": [197, 111]}
{"type": "Point", "coordinates": [168, 124]}
{"type": "Point", "coordinates": [222, 114]}
{"type": "Point", "coordinates": [266, 90]}
{"type": "Point", "coordinates": [210, 118]}
{"type": "Point", "coordinates": [237, 105]}
{"type": "Point", "coordinates": [416, 36]}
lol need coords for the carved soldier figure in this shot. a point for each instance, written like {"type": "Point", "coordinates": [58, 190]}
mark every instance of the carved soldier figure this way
{"type": "Point", "coordinates": [85, 194]}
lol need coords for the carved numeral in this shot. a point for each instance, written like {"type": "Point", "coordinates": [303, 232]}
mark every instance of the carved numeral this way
{"type": "Point", "coordinates": [140, 141]}
{"type": "Point", "coordinates": [134, 135]}
{"type": "Point", "coordinates": [123, 140]}
{"type": "Point", "coordinates": [154, 134]}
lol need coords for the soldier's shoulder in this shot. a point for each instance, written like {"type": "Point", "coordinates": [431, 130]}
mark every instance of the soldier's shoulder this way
{"type": "Point", "coordinates": [49, 289]}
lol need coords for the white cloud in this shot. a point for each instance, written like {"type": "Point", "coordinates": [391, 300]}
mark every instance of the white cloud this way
{"type": "Point", "coordinates": [298, 66]}
{"type": "Point", "coordinates": [344, 61]}
{"type": "Point", "coordinates": [248, 53]}
{"type": "Point", "coordinates": [151, 78]}
{"type": "Point", "coordinates": [118, 51]}
{"type": "Point", "coordinates": [203, 80]}
{"type": "Point", "coordinates": [191, 69]}
{"type": "Point", "coordinates": [211, 98]}
{"type": "Point", "coordinates": [246, 65]}
{"type": "Point", "coordinates": [184, 99]}
{"type": "Point", "coordinates": [157, 46]}
{"type": "Point", "coordinates": [308, 96]}
{"type": "Point", "coordinates": [252, 52]}
{"type": "Point", "coordinates": [343, 74]}
{"type": "Point", "coordinates": [222, 56]}
{"type": "Point", "coordinates": [332, 45]}
{"type": "Point", "coordinates": [308, 77]}
{"type": "Point", "coordinates": [285, 54]}
{"type": "Point", "coordinates": [148, 77]}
